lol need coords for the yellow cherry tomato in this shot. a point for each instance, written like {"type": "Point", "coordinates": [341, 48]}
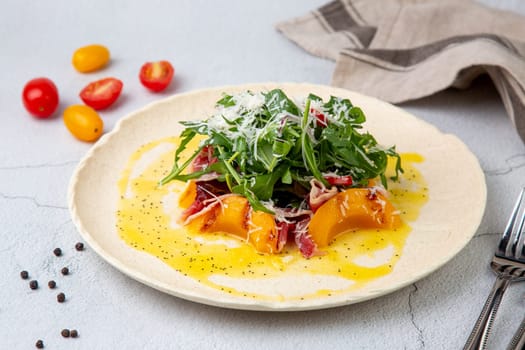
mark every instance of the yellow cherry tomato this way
{"type": "Point", "coordinates": [90, 58]}
{"type": "Point", "coordinates": [83, 122]}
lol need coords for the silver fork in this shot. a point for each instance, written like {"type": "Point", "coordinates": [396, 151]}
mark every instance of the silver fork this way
{"type": "Point", "coordinates": [518, 340]}
{"type": "Point", "coordinates": [509, 265]}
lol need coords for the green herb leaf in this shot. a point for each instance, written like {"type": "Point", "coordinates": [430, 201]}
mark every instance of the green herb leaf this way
{"type": "Point", "coordinates": [226, 101]}
{"type": "Point", "coordinates": [307, 147]}
{"type": "Point", "coordinates": [266, 146]}
{"type": "Point", "coordinates": [277, 102]}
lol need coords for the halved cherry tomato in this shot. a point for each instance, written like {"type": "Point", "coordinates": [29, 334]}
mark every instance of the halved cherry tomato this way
{"type": "Point", "coordinates": [40, 97]}
{"type": "Point", "coordinates": [320, 118]}
{"type": "Point", "coordinates": [156, 76]}
{"type": "Point", "coordinates": [83, 122]}
{"type": "Point", "coordinates": [90, 58]}
{"type": "Point", "coordinates": [102, 93]}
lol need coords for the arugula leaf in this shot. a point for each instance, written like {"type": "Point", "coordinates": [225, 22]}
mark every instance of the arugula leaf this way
{"type": "Point", "coordinates": [307, 147]}
{"type": "Point", "coordinates": [265, 154]}
{"type": "Point", "coordinates": [263, 184]}
{"type": "Point", "coordinates": [281, 148]}
{"type": "Point", "coordinates": [343, 110]}
{"type": "Point", "coordinates": [313, 97]}
{"type": "Point", "coordinates": [266, 145]}
{"type": "Point", "coordinates": [226, 101]}
{"type": "Point", "coordinates": [287, 177]}
{"type": "Point", "coordinates": [256, 204]}
{"type": "Point", "coordinates": [277, 102]}
{"type": "Point", "coordinates": [186, 136]}
{"type": "Point", "coordinates": [357, 116]}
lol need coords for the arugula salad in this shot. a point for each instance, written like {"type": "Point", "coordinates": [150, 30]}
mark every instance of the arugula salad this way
{"type": "Point", "coordinates": [286, 157]}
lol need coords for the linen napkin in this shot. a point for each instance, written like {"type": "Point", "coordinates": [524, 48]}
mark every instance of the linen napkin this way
{"type": "Point", "coordinates": [399, 50]}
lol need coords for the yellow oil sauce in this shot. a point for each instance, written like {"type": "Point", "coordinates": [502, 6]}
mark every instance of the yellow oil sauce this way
{"type": "Point", "coordinates": [147, 220]}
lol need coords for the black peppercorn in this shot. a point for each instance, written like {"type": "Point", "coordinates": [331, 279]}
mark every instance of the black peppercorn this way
{"type": "Point", "coordinates": [65, 271]}
{"type": "Point", "coordinates": [65, 333]}
{"type": "Point", "coordinates": [61, 297]}
{"type": "Point", "coordinates": [57, 251]}
{"type": "Point", "coordinates": [79, 246]}
{"type": "Point", "coordinates": [74, 333]}
{"type": "Point", "coordinates": [24, 274]}
{"type": "Point", "coordinates": [39, 344]}
{"type": "Point", "coordinates": [33, 284]}
{"type": "Point", "coordinates": [51, 284]}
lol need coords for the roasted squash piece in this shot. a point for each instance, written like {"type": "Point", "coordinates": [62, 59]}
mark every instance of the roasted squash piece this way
{"type": "Point", "coordinates": [188, 195]}
{"type": "Point", "coordinates": [353, 208]}
{"type": "Point", "coordinates": [233, 215]}
{"type": "Point", "coordinates": [229, 215]}
{"type": "Point", "coordinates": [262, 233]}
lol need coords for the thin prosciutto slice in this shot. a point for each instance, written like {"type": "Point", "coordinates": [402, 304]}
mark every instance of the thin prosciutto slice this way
{"type": "Point", "coordinates": [304, 241]}
{"type": "Point", "coordinates": [320, 194]}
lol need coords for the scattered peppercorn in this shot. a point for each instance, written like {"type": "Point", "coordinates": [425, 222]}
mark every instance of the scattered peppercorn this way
{"type": "Point", "coordinates": [65, 333]}
{"type": "Point", "coordinates": [65, 271]}
{"type": "Point", "coordinates": [74, 333]}
{"type": "Point", "coordinates": [39, 344]}
{"type": "Point", "coordinates": [79, 246]}
{"type": "Point", "coordinates": [24, 274]}
{"type": "Point", "coordinates": [61, 297]}
{"type": "Point", "coordinates": [33, 284]}
{"type": "Point", "coordinates": [51, 284]}
{"type": "Point", "coordinates": [57, 251]}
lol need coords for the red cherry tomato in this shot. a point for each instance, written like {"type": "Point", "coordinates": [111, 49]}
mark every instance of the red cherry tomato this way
{"type": "Point", "coordinates": [321, 118]}
{"type": "Point", "coordinates": [40, 97]}
{"type": "Point", "coordinates": [156, 76]}
{"type": "Point", "coordinates": [102, 93]}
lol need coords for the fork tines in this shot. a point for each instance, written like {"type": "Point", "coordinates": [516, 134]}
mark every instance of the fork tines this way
{"type": "Point", "coordinates": [511, 245]}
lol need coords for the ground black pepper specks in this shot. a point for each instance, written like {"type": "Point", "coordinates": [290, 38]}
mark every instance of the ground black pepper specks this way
{"type": "Point", "coordinates": [24, 274]}
{"type": "Point", "coordinates": [57, 252]}
{"type": "Point", "coordinates": [39, 344]}
{"type": "Point", "coordinates": [33, 284]}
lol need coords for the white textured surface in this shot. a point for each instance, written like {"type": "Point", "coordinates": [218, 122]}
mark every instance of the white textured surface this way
{"type": "Point", "coordinates": [210, 44]}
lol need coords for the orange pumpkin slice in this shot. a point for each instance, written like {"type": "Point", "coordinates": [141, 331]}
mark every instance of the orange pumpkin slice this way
{"type": "Point", "coordinates": [232, 214]}
{"type": "Point", "coordinates": [355, 208]}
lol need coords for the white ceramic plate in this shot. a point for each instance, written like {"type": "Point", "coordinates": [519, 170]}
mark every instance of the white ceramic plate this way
{"type": "Point", "coordinates": [457, 195]}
